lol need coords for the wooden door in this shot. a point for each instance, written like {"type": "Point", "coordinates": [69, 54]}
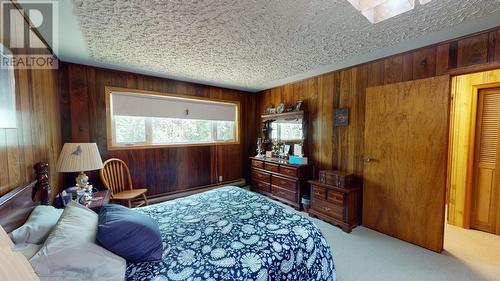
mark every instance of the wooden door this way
{"type": "Point", "coordinates": [485, 190]}
{"type": "Point", "coordinates": [406, 140]}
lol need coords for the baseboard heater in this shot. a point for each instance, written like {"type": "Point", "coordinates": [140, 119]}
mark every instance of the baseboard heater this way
{"type": "Point", "coordinates": [158, 198]}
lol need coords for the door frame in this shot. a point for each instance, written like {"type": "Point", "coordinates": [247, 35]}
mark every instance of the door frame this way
{"type": "Point", "coordinates": [471, 149]}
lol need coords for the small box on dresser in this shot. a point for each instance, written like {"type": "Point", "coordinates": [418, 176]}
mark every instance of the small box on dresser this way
{"type": "Point", "coordinates": [337, 205]}
{"type": "Point", "coordinates": [337, 178]}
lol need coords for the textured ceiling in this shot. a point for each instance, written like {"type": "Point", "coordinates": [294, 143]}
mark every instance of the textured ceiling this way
{"type": "Point", "coordinates": [250, 43]}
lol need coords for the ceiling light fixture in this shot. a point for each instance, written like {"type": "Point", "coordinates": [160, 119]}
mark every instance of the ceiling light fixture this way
{"type": "Point", "coordinates": [378, 10]}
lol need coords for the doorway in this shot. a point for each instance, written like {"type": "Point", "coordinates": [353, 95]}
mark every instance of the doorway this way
{"type": "Point", "coordinates": [473, 190]}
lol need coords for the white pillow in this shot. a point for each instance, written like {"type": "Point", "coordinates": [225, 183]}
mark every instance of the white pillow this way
{"type": "Point", "coordinates": [70, 250]}
{"type": "Point", "coordinates": [38, 226]}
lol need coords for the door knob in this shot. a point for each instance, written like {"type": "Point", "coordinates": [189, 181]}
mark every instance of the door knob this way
{"type": "Point", "coordinates": [367, 158]}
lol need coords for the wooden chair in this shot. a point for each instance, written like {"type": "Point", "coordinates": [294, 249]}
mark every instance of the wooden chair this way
{"type": "Point", "coordinates": [116, 177]}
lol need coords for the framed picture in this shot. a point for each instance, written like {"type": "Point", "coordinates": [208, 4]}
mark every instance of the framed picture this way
{"type": "Point", "coordinates": [342, 116]}
{"type": "Point", "coordinates": [7, 91]}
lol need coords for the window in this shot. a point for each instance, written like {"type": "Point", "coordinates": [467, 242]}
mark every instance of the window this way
{"type": "Point", "coordinates": [7, 91]}
{"type": "Point", "coordinates": [152, 120]}
{"type": "Point", "coordinates": [379, 10]}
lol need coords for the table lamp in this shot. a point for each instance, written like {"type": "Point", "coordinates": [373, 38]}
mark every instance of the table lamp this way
{"type": "Point", "coordinates": [79, 157]}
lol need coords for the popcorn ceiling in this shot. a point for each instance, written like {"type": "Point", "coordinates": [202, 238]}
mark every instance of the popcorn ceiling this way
{"type": "Point", "coordinates": [251, 42]}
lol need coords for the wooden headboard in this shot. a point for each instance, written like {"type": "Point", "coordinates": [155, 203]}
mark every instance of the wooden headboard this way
{"type": "Point", "coordinates": [16, 206]}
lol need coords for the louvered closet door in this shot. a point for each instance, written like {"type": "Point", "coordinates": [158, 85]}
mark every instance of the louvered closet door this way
{"type": "Point", "coordinates": [485, 180]}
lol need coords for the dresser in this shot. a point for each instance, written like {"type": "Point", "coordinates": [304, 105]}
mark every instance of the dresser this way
{"type": "Point", "coordinates": [337, 205]}
{"type": "Point", "coordinates": [280, 180]}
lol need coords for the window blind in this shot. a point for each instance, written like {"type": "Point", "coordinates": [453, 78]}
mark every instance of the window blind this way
{"type": "Point", "coordinates": [140, 105]}
{"type": "Point", "coordinates": [489, 128]}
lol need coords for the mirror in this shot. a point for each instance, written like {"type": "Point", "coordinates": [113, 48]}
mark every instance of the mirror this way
{"type": "Point", "coordinates": [281, 131]}
{"type": "Point", "coordinates": [287, 130]}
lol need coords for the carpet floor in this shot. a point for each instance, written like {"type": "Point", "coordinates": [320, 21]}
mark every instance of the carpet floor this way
{"type": "Point", "coordinates": [365, 254]}
{"type": "Point", "coordinates": [368, 255]}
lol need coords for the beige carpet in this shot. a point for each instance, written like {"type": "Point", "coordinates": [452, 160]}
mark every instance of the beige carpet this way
{"type": "Point", "coordinates": [368, 255]}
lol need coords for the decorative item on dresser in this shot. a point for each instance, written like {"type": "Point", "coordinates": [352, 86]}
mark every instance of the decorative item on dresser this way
{"type": "Point", "coordinates": [336, 198]}
{"type": "Point", "coordinates": [280, 180]}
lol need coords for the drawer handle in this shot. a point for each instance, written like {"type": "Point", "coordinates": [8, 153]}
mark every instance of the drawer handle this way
{"type": "Point", "coordinates": [326, 209]}
{"type": "Point", "coordinates": [283, 182]}
{"type": "Point", "coordinates": [317, 193]}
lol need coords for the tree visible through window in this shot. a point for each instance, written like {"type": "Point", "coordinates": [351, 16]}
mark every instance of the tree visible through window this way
{"type": "Point", "coordinates": [130, 129]}
{"type": "Point", "coordinates": [166, 130]}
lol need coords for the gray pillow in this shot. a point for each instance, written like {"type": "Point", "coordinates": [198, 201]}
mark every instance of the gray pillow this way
{"type": "Point", "coordinates": [70, 251]}
{"type": "Point", "coordinates": [38, 226]}
{"type": "Point", "coordinates": [28, 250]}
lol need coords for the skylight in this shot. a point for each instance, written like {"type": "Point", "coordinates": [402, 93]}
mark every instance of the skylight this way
{"type": "Point", "coordinates": [378, 10]}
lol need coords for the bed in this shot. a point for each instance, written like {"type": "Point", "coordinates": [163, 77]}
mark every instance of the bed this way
{"type": "Point", "coordinates": [227, 234]}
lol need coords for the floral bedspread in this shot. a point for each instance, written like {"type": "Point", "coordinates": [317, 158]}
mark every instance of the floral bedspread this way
{"type": "Point", "coordinates": [232, 234]}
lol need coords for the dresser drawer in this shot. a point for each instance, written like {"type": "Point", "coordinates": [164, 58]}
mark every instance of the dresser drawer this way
{"type": "Point", "coordinates": [328, 208]}
{"type": "Point", "coordinates": [262, 176]}
{"type": "Point", "coordinates": [272, 167]}
{"type": "Point", "coordinates": [259, 185]}
{"type": "Point", "coordinates": [284, 183]}
{"type": "Point", "coordinates": [257, 164]}
{"type": "Point", "coordinates": [289, 171]}
{"type": "Point", "coordinates": [335, 197]}
{"type": "Point", "coordinates": [319, 192]}
{"type": "Point", "coordinates": [284, 193]}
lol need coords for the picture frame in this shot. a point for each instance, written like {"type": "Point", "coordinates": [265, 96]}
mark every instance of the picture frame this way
{"type": "Point", "coordinates": [341, 117]}
{"type": "Point", "coordinates": [8, 118]}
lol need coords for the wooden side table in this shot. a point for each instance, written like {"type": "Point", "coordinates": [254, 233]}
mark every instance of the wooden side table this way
{"type": "Point", "coordinates": [99, 199]}
{"type": "Point", "coordinates": [336, 205]}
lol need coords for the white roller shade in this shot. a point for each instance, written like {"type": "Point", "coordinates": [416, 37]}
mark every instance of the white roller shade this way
{"type": "Point", "coordinates": [130, 104]}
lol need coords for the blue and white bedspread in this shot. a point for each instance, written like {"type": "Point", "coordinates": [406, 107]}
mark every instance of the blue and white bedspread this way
{"type": "Point", "coordinates": [233, 234]}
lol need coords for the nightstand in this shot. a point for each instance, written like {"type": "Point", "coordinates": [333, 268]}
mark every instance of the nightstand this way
{"type": "Point", "coordinates": [336, 205]}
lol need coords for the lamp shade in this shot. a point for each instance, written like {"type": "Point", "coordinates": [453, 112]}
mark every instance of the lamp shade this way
{"type": "Point", "coordinates": [79, 157]}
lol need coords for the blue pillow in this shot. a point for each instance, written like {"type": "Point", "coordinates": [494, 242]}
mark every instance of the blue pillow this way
{"type": "Point", "coordinates": [129, 234]}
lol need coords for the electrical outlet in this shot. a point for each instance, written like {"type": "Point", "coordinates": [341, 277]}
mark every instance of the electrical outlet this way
{"type": "Point", "coordinates": [221, 178]}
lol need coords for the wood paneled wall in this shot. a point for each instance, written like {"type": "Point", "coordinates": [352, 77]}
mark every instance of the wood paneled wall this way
{"type": "Point", "coordinates": [37, 137]}
{"type": "Point", "coordinates": [162, 170]}
{"type": "Point", "coordinates": [342, 147]}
